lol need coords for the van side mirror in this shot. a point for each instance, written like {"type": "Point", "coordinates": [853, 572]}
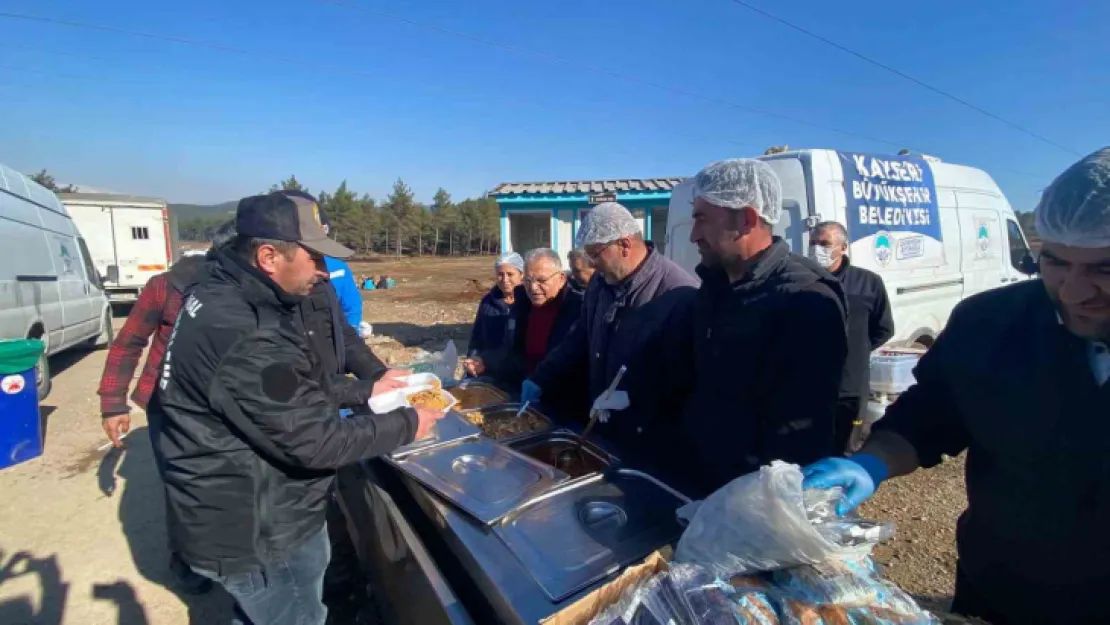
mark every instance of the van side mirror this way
{"type": "Point", "coordinates": [1028, 265]}
{"type": "Point", "coordinates": [113, 274]}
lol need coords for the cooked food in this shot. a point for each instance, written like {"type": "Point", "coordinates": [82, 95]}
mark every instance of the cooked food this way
{"type": "Point", "coordinates": [477, 396]}
{"type": "Point", "coordinates": [503, 424]}
{"type": "Point", "coordinates": [432, 399]}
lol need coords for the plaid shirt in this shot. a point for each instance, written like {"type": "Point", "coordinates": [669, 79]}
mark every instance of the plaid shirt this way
{"type": "Point", "coordinates": [154, 314]}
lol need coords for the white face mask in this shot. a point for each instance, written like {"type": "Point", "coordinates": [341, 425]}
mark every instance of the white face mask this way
{"type": "Point", "coordinates": [822, 255]}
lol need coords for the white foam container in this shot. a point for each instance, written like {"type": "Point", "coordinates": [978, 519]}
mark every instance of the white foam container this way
{"type": "Point", "coordinates": [399, 398]}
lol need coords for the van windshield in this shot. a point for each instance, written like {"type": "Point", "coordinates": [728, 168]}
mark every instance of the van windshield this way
{"type": "Point", "coordinates": [795, 201]}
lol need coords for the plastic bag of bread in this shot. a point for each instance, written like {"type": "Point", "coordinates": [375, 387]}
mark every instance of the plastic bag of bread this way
{"type": "Point", "coordinates": [758, 522]}
{"type": "Point", "coordinates": [828, 583]}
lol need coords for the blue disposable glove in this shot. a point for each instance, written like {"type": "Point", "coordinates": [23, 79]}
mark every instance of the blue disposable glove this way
{"type": "Point", "coordinates": [859, 476]}
{"type": "Point", "coordinates": [530, 392]}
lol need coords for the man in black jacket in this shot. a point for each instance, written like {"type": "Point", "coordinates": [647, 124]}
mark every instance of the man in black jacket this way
{"type": "Point", "coordinates": [870, 324]}
{"type": "Point", "coordinates": [1018, 379]}
{"type": "Point", "coordinates": [250, 433]}
{"type": "Point", "coordinates": [770, 337]}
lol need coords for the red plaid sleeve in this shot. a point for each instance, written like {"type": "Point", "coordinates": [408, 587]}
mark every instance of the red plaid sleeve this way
{"type": "Point", "coordinates": [127, 349]}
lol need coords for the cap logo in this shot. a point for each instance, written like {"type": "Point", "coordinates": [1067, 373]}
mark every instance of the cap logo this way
{"type": "Point", "coordinates": [316, 214]}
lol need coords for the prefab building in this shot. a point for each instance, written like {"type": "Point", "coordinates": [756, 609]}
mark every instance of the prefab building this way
{"type": "Point", "coordinates": [548, 214]}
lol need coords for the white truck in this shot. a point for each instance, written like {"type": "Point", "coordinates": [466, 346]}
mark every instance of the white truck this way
{"type": "Point", "coordinates": [131, 238]}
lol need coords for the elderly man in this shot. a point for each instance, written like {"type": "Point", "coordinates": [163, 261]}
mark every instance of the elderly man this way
{"type": "Point", "coordinates": [1018, 380]}
{"type": "Point", "coordinates": [250, 430]}
{"type": "Point", "coordinates": [635, 316]}
{"type": "Point", "coordinates": [770, 328]}
{"type": "Point", "coordinates": [581, 269]}
{"type": "Point", "coordinates": [545, 310]}
{"type": "Point", "coordinates": [870, 324]}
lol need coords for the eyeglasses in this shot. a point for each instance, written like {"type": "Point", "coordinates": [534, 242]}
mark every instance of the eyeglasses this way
{"type": "Point", "coordinates": [594, 251]}
{"type": "Point", "coordinates": [542, 282]}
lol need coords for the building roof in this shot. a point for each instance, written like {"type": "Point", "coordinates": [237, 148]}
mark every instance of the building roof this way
{"type": "Point", "coordinates": [586, 186]}
{"type": "Point", "coordinates": [109, 197]}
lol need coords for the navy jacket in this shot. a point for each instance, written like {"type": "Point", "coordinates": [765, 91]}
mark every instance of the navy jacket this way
{"type": "Point", "coordinates": [870, 324]}
{"type": "Point", "coordinates": [491, 325]}
{"type": "Point", "coordinates": [1011, 386]}
{"type": "Point", "coordinates": [642, 323]}
{"type": "Point", "coordinates": [769, 352]}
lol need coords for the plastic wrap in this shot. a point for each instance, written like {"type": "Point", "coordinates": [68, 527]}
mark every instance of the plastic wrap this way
{"type": "Point", "coordinates": [706, 600]}
{"type": "Point", "coordinates": [757, 522]}
{"type": "Point", "coordinates": [848, 531]}
{"type": "Point", "coordinates": [828, 583]}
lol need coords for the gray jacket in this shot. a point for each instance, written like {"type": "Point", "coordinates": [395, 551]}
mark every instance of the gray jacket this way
{"type": "Point", "coordinates": [644, 323]}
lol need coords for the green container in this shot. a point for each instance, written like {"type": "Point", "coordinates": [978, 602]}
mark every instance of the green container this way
{"type": "Point", "coordinates": [19, 355]}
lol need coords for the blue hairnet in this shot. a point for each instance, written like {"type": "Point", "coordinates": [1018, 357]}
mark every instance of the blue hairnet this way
{"type": "Point", "coordinates": [606, 223]}
{"type": "Point", "coordinates": [512, 258]}
{"type": "Point", "coordinates": [1075, 209]}
{"type": "Point", "coordinates": [741, 182]}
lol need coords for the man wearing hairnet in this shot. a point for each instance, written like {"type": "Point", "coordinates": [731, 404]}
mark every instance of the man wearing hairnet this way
{"type": "Point", "coordinates": [1018, 380]}
{"type": "Point", "coordinates": [635, 313]}
{"type": "Point", "coordinates": [770, 334]}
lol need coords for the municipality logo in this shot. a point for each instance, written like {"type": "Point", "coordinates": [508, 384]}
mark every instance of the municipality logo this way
{"type": "Point", "coordinates": [884, 250]}
{"type": "Point", "coordinates": [983, 239]}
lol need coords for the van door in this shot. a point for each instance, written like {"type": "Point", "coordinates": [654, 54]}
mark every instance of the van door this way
{"type": "Point", "coordinates": [982, 253]}
{"type": "Point", "coordinates": [77, 311]}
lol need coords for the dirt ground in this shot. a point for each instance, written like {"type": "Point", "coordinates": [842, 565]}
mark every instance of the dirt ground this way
{"type": "Point", "coordinates": [82, 536]}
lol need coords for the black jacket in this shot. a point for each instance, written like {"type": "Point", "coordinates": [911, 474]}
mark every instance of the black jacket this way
{"type": "Point", "coordinates": [491, 325]}
{"type": "Point", "coordinates": [1006, 382]}
{"type": "Point", "coordinates": [248, 427]}
{"type": "Point", "coordinates": [768, 356]}
{"type": "Point", "coordinates": [508, 368]}
{"type": "Point", "coordinates": [340, 352]}
{"type": "Point", "coordinates": [642, 323]}
{"type": "Point", "coordinates": [870, 325]}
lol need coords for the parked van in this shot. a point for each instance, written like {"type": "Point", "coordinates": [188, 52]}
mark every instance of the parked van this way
{"type": "Point", "coordinates": [132, 238]}
{"type": "Point", "coordinates": [49, 289]}
{"type": "Point", "coordinates": [936, 232]}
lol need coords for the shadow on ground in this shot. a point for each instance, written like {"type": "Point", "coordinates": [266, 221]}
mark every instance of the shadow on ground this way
{"type": "Point", "coordinates": [52, 589]}
{"type": "Point", "coordinates": [131, 474]}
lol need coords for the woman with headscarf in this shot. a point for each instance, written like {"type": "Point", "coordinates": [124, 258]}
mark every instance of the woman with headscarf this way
{"type": "Point", "coordinates": [491, 324]}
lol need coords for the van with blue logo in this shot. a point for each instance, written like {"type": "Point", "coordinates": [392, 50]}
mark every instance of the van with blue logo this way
{"type": "Point", "coordinates": [49, 288]}
{"type": "Point", "coordinates": [936, 232]}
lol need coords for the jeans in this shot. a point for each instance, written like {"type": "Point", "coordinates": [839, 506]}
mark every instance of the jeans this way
{"type": "Point", "coordinates": [288, 591]}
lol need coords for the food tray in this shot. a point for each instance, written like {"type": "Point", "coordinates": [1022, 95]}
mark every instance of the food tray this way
{"type": "Point", "coordinates": [546, 447]}
{"type": "Point", "coordinates": [450, 429]}
{"type": "Point", "coordinates": [501, 424]}
{"type": "Point", "coordinates": [473, 394]}
{"type": "Point", "coordinates": [485, 479]}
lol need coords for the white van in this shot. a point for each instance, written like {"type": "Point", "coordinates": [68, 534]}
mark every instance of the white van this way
{"type": "Point", "coordinates": [935, 232]}
{"type": "Point", "coordinates": [132, 238]}
{"type": "Point", "coordinates": [49, 289]}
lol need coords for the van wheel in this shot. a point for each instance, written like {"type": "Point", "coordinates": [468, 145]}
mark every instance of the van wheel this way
{"type": "Point", "coordinates": [42, 376]}
{"type": "Point", "coordinates": [107, 332]}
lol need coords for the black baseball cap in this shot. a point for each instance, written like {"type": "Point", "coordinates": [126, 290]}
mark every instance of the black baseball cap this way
{"type": "Point", "coordinates": [291, 216]}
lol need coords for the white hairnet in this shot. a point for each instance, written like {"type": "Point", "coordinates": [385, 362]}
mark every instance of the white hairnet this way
{"type": "Point", "coordinates": [1075, 209]}
{"type": "Point", "coordinates": [606, 223]}
{"type": "Point", "coordinates": [512, 258]}
{"type": "Point", "coordinates": [741, 182]}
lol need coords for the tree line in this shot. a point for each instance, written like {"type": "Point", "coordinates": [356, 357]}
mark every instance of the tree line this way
{"type": "Point", "coordinates": [396, 225]}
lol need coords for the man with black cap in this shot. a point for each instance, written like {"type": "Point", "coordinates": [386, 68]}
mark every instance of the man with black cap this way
{"type": "Point", "coordinates": [250, 431]}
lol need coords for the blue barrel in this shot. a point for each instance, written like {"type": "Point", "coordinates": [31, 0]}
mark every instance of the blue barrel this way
{"type": "Point", "coordinates": [20, 427]}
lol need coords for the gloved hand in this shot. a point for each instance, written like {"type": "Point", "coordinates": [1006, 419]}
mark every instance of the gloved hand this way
{"type": "Point", "coordinates": [859, 476]}
{"type": "Point", "coordinates": [530, 392]}
{"type": "Point", "coordinates": [617, 400]}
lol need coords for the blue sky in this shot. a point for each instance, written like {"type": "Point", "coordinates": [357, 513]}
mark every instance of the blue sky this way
{"type": "Point", "coordinates": [332, 93]}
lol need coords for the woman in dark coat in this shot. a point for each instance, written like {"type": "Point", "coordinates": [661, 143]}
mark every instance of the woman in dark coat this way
{"type": "Point", "coordinates": [491, 324]}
